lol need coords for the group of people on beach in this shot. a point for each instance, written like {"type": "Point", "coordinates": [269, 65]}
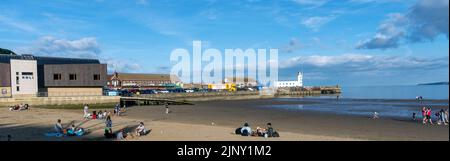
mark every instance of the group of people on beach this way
{"type": "Point", "coordinates": [19, 107]}
{"type": "Point", "coordinates": [442, 116]}
{"type": "Point", "coordinates": [122, 134]}
{"type": "Point", "coordinates": [100, 114]}
{"type": "Point", "coordinates": [72, 130]}
{"type": "Point", "coordinates": [246, 130]}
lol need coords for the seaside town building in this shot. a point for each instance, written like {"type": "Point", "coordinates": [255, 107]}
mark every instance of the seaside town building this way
{"type": "Point", "coordinates": [35, 76]}
{"type": "Point", "coordinates": [241, 82]}
{"type": "Point", "coordinates": [118, 81]}
{"type": "Point", "coordinates": [297, 83]}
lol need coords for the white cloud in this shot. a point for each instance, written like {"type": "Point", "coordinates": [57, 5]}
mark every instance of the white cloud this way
{"type": "Point", "coordinates": [86, 47]}
{"type": "Point", "coordinates": [424, 22]}
{"type": "Point", "coordinates": [389, 33]}
{"type": "Point", "coordinates": [316, 22]}
{"type": "Point", "coordinates": [363, 63]}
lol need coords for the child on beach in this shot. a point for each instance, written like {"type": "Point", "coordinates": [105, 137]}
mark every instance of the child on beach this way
{"type": "Point", "coordinates": [414, 116]}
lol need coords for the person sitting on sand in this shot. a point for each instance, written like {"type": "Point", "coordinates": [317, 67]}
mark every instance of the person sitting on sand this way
{"type": "Point", "coordinates": [15, 108]}
{"type": "Point", "coordinates": [246, 130]}
{"type": "Point", "coordinates": [100, 114]}
{"type": "Point", "coordinates": [260, 132]}
{"type": "Point", "coordinates": [121, 135]}
{"type": "Point", "coordinates": [376, 115]}
{"type": "Point", "coordinates": [71, 130]}
{"type": "Point", "coordinates": [270, 131]}
{"type": "Point", "coordinates": [58, 127]}
{"type": "Point", "coordinates": [140, 130]}
{"type": "Point", "coordinates": [108, 133]}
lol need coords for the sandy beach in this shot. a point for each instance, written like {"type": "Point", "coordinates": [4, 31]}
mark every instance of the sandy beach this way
{"type": "Point", "coordinates": [211, 121]}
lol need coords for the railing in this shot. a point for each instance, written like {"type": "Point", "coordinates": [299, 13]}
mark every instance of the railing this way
{"type": "Point", "coordinates": [198, 94]}
{"type": "Point", "coordinates": [68, 94]}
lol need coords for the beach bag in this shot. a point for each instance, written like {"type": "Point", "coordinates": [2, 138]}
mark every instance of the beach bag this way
{"type": "Point", "coordinates": [275, 134]}
{"type": "Point", "coordinates": [238, 131]}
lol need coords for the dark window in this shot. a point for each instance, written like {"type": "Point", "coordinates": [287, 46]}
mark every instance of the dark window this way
{"type": "Point", "coordinates": [72, 77]}
{"type": "Point", "coordinates": [17, 80]}
{"type": "Point", "coordinates": [96, 76]}
{"type": "Point", "coordinates": [27, 73]}
{"type": "Point", "coordinates": [57, 77]}
{"type": "Point", "coordinates": [18, 88]}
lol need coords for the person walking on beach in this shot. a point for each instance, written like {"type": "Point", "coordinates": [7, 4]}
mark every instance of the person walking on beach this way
{"type": "Point", "coordinates": [86, 111]}
{"type": "Point", "coordinates": [429, 112]}
{"type": "Point", "coordinates": [442, 117]}
{"type": "Point", "coordinates": [167, 108]}
{"type": "Point", "coordinates": [420, 99]}
{"type": "Point", "coordinates": [117, 110]}
{"type": "Point", "coordinates": [424, 115]}
{"type": "Point", "coordinates": [446, 116]}
{"type": "Point", "coordinates": [108, 123]}
{"type": "Point", "coordinates": [414, 116]}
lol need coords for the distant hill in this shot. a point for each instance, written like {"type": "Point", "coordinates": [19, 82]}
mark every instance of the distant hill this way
{"type": "Point", "coordinates": [436, 83]}
{"type": "Point", "coordinates": [6, 52]}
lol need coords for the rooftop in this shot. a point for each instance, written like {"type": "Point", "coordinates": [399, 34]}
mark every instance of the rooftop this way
{"type": "Point", "coordinates": [41, 60]}
{"type": "Point", "coordinates": [146, 77]}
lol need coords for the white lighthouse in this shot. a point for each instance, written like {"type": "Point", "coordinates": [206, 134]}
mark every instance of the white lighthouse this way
{"type": "Point", "coordinates": [297, 83]}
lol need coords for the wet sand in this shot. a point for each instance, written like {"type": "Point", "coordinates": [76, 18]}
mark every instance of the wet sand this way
{"type": "Point", "coordinates": [232, 114]}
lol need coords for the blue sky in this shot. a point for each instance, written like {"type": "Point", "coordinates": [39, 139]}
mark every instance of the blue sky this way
{"type": "Point", "coordinates": [346, 42]}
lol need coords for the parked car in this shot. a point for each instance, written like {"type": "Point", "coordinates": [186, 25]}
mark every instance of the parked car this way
{"type": "Point", "coordinates": [164, 91]}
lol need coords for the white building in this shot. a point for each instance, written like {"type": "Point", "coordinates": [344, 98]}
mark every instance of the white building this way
{"type": "Point", "coordinates": [24, 77]}
{"type": "Point", "coordinates": [297, 83]}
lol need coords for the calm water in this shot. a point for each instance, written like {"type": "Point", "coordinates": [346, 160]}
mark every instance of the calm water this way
{"type": "Point", "coordinates": [396, 92]}
{"type": "Point", "coordinates": [388, 101]}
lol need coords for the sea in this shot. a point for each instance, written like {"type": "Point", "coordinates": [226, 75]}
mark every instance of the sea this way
{"type": "Point", "coordinates": [389, 101]}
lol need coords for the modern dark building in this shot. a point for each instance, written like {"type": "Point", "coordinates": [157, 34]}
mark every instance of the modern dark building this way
{"type": "Point", "coordinates": [52, 76]}
{"type": "Point", "coordinates": [5, 80]}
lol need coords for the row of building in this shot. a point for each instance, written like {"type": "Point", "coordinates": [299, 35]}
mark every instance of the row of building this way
{"type": "Point", "coordinates": [28, 75]}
